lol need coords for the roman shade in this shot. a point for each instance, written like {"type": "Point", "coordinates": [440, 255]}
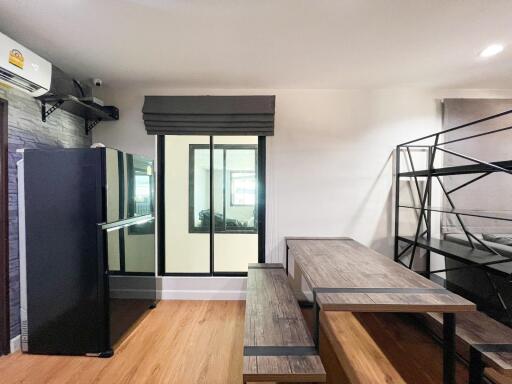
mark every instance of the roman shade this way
{"type": "Point", "coordinates": [209, 115]}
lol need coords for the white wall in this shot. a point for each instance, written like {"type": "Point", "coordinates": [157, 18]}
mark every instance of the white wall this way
{"type": "Point", "coordinates": [331, 162]}
{"type": "Point", "coordinates": [329, 165]}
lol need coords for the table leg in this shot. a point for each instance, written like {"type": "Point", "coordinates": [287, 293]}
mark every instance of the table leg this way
{"type": "Point", "coordinates": [476, 366]}
{"type": "Point", "coordinates": [448, 348]}
{"type": "Point", "coordinates": [316, 322]}
{"type": "Point", "coordinates": [287, 251]}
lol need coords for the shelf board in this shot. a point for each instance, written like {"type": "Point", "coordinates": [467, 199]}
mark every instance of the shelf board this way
{"type": "Point", "coordinates": [466, 212]}
{"type": "Point", "coordinates": [463, 254]}
{"type": "Point", "coordinates": [460, 170]}
{"type": "Point", "coordinates": [89, 112]}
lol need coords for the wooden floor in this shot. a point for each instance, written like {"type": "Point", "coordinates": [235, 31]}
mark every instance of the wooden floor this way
{"type": "Point", "coordinates": [191, 342]}
{"type": "Point", "coordinates": [178, 342]}
{"type": "Point", "coordinates": [408, 347]}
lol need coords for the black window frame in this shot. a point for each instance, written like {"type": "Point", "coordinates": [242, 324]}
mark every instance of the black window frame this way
{"type": "Point", "coordinates": [192, 228]}
{"type": "Point", "coordinates": [160, 203]}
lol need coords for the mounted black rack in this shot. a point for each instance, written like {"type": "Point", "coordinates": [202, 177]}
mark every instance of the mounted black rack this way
{"type": "Point", "coordinates": [504, 216]}
{"type": "Point", "coordinates": [472, 251]}
{"type": "Point", "coordinates": [462, 169]}
{"type": "Point", "coordinates": [90, 111]}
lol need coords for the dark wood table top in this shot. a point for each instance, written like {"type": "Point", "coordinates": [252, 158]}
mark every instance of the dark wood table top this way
{"type": "Point", "coordinates": [349, 276]}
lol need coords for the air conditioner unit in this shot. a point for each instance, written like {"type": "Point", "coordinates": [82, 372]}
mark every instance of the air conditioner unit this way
{"type": "Point", "coordinates": [22, 69]}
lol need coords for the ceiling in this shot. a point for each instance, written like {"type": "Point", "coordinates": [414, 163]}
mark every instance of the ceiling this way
{"type": "Point", "coordinates": [269, 43]}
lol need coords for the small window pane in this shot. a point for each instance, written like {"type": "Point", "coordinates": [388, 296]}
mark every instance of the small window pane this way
{"type": "Point", "coordinates": [142, 195]}
{"type": "Point", "coordinates": [200, 185]}
{"type": "Point", "coordinates": [243, 188]}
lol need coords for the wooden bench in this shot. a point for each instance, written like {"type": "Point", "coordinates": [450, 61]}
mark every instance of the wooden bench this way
{"type": "Point", "coordinates": [483, 342]}
{"type": "Point", "coordinates": [277, 343]}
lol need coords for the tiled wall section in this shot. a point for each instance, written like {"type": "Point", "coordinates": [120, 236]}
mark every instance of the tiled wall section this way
{"type": "Point", "coordinates": [26, 130]}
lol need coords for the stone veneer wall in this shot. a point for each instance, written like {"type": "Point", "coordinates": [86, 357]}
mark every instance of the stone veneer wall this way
{"type": "Point", "coordinates": [26, 130]}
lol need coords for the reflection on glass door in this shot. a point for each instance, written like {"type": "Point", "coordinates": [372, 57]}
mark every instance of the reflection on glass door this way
{"type": "Point", "coordinates": [130, 193]}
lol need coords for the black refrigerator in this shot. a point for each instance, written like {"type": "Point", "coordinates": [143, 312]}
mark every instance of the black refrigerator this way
{"type": "Point", "coordinates": [87, 248]}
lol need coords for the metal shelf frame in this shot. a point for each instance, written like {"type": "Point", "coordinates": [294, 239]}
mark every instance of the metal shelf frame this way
{"type": "Point", "coordinates": [92, 115]}
{"type": "Point", "coordinates": [484, 257]}
{"type": "Point", "coordinates": [465, 212]}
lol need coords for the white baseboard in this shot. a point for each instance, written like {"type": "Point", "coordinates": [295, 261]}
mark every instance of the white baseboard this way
{"type": "Point", "coordinates": [16, 344]}
{"type": "Point", "coordinates": [178, 294]}
{"type": "Point", "coordinates": [203, 288]}
{"type": "Point", "coordinates": [201, 295]}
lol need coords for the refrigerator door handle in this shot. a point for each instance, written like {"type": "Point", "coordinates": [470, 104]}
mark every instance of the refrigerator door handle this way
{"type": "Point", "coordinates": [126, 223]}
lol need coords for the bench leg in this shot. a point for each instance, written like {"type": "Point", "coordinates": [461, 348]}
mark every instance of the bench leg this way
{"type": "Point", "coordinates": [316, 322]}
{"type": "Point", "coordinates": [476, 366]}
{"type": "Point", "coordinates": [287, 251]}
{"type": "Point", "coordinates": [449, 348]}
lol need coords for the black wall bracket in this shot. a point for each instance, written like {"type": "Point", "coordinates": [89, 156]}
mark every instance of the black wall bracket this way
{"type": "Point", "coordinates": [89, 125]}
{"type": "Point", "coordinates": [91, 113]}
{"type": "Point", "coordinates": [45, 113]}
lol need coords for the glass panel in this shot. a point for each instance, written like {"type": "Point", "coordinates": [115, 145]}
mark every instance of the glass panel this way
{"type": "Point", "coordinates": [199, 188]}
{"type": "Point", "coordinates": [235, 203]}
{"type": "Point", "coordinates": [140, 194]}
{"type": "Point", "coordinates": [243, 188]}
{"type": "Point", "coordinates": [113, 249]}
{"type": "Point", "coordinates": [139, 248]}
{"type": "Point", "coordinates": [218, 191]}
{"type": "Point", "coordinates": [131, 249]}
{"type": "Point", "coordinates": [140, 186]}
{"type": "Point", "coordinates": [130, 186]}
{"type": "Point", "coordinates": [187, 204]}
{"type": "Point", "coordinates": [113, 190]}
{"type": "Point", "coordinates": [241, 183]}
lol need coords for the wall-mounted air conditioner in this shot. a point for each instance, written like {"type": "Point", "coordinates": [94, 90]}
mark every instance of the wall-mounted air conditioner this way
{"type": "Point", "coordinates": [22, 69]}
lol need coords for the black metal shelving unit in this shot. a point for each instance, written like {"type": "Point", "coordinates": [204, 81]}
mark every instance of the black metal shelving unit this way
{"type": "Point", "coordinates": [478, 253]}
{"type": "Point", "coordinates": [91, 113]}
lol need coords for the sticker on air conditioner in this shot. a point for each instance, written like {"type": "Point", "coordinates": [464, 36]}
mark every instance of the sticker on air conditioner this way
{"type": "Point", "coordinates": [16, 58]}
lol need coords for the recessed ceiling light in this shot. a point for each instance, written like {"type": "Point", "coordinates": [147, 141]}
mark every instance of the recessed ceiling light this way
{"type": "Point", "coordinates": [491, 50]}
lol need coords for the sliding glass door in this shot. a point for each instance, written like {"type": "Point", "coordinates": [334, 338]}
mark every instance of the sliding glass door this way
{"type": "Point", "coordinates": [187, 204]}
{"type": "Point", "coordinates": [210, 204]}
{"type": "Point", "coordinates": [235, 203]}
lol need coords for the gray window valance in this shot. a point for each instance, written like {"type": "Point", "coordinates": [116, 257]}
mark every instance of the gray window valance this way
{"type": "Point", "coordinates": [209, 115]}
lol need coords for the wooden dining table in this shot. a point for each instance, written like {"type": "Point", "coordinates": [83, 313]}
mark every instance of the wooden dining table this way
{"type": "Point", "coordinates": [344, 275]}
